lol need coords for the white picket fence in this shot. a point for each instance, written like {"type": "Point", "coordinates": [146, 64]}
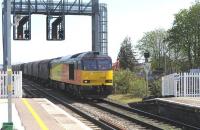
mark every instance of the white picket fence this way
{"type": "Point", "coordinates": [181, 85]}
{"type": "Point", "coordinates": [16, 84]}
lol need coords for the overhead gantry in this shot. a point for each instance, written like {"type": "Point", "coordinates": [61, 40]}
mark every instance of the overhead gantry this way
{"type": "Point", "coordinates": [55, 12]}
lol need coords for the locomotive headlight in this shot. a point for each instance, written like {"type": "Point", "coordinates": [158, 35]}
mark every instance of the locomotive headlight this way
{"type": "Point", "coordinates": [86, 81]}
{"type": "Point", "coordinates": [108, 81]}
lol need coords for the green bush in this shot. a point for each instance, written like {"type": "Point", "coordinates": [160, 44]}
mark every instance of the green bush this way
{"type": "Point", "coordinates": [122, 80]}
{"type": "Point", "coordinates": [126, 82]}
{"type": "Point", "coordinates": [155, 88]}
{"type": "Point", "coordinates": [138, 88]}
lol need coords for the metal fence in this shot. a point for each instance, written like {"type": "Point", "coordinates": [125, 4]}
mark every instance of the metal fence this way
{"type": "Point", "coordinates": [16, 84]}
{"type": "Point", "coordinates": [181, 85]}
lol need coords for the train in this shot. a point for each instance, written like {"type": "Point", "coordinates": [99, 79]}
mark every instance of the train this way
{"type": "Point", "coordinates": [86, 74]}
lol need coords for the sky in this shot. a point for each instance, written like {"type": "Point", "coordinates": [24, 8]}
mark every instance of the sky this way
{"type": "Point", "coordinates": [130, 18]}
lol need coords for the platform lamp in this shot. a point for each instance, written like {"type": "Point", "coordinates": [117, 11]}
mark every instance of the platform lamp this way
{"type": "Point", "coordinates": [147, 67]}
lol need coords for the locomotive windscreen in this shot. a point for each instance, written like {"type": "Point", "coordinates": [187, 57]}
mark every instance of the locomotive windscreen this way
{"type": "Point", "coordinates": [97, 64]}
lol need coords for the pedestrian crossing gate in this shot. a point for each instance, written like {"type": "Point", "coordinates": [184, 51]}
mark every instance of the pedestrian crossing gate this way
{"type": "Point", "coordinates": [16, 84]}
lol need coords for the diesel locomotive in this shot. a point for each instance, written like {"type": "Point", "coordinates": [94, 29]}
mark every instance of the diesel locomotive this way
{"type": "Point", "coordinates": [87, 74]}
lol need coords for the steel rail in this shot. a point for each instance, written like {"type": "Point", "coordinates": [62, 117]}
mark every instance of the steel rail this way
{"type": "Point", "coordinates": [134, 120]}
{"type": "Point", "coordinates": [129, 109]}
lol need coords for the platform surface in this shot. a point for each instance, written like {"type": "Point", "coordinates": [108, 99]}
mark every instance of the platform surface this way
{"type": "Point", "coordinates": [186, 101]}
{"type": "Point", "coordinates": [41, 114]}
{"type": "Point", "coordinates": [17, 124]}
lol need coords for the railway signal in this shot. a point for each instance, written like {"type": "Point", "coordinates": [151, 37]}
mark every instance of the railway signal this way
{"type": "Point", "coordinates": [55, 27]}
{"type": "Point", "coordinates": [146, 56]}
{"type": "Point", "coordinates": [22, 27]}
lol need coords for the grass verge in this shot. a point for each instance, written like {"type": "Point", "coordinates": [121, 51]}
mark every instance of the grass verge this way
{"type": "Point", "coordinates": [124, 99]}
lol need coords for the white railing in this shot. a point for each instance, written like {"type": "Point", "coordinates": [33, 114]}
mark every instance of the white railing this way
{"type": "Point", "coordinates": [181, 85]}
{"type": "Point", "coordinates": [16, 84]}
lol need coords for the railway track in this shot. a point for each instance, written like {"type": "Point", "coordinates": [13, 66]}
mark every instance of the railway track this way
{"type": "Point", "coordinates": [133, 117]}
{"type": "Point", "coordinates": [113, 105]}
{"type": "Point", "coordinates": [144, 118]}
{"type": "Point", "coordinates": [108, 115]}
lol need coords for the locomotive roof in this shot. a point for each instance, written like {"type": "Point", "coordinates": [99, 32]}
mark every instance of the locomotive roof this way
{"type": "Point", "coordinates": [76, 57]}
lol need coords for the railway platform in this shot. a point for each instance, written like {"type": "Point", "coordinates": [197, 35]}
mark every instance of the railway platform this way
{"type": "Point", "coordinates": [189, 102]}
{"type": "Point", "coordinates": [183, 109]}
{"type": "Point", "coordinates": [39, 114]}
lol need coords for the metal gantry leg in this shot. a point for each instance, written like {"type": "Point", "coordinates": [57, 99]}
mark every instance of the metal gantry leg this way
{"type": "Point", "coordinates": [95, 26]}
{"type": "Point", "coordinates": [103, 32]}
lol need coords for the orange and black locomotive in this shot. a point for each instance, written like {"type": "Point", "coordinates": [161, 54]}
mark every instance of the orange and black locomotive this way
{"type": "Point", "coordinates": [87, 74]}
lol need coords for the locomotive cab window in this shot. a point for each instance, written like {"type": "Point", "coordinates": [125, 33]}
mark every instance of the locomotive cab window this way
{"type": "Point", "coordinates": [89, 64]}
{"type": "Point", "coordinates": [97, 64]}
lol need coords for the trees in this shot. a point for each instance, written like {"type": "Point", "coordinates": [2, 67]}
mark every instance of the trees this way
{"type": "Point", "coordinates": [126, 55]}
{"type": "Point", "coordinates": [154, 42]}
{"type": "Point", "coordinates": [184, 37]}
{"type": "Point", "coordinates": [125, 80]}
{"type": "Point", "coordinates": [178, 48]}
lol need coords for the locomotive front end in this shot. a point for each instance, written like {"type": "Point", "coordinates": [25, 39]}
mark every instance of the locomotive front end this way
{"type": "Point", "coordinates": [97, 75]}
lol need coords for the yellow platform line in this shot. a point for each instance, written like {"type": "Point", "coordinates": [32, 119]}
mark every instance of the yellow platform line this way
{"type": "Point", "coordinates": [35, 115]}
